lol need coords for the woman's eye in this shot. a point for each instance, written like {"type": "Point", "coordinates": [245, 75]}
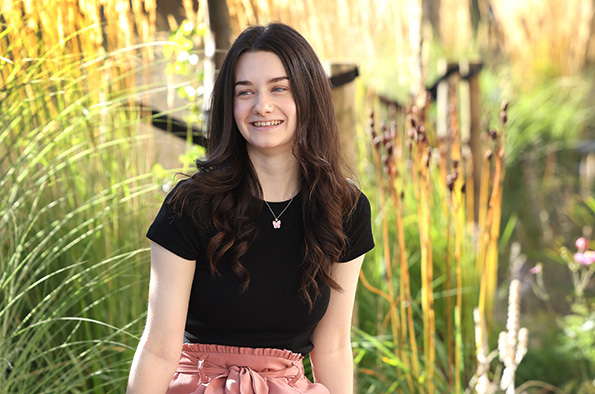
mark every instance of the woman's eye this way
{"type": "Point", "coordinates": [243, 93]}
{"type": "Point", "coordinates": [279, 89]}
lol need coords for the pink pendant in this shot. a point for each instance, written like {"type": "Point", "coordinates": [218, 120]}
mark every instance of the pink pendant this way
{"type": "Point", "coordinates": [276, 223]}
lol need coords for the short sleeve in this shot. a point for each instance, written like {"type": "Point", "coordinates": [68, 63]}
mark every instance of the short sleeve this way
{"type": "Point", "coordinates": [175, 233]}
{"type": "Point", "coordinates": [358, 229]}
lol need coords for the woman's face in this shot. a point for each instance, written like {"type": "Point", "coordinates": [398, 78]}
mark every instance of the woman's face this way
{"type": "Point", "coordinates": [264, 108]}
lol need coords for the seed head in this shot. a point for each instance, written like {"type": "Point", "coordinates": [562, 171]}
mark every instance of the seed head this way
{"type": "Point", "coordinates": [503, 117]}
{"type": "Point", "coordinates": [386, 160]}
{"type": "Point", "coordinates": [377, 141]}
{"type": "Point", "coordinates": [450, 181]}
{"type": "Point", "coordinates": [414, 110]}
{"type": "Point", "coordinates": [393, 129]}
{"type": "Point", "coordinates": [386, 139]}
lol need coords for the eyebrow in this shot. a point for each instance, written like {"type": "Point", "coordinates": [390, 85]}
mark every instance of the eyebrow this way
{"type": "Point", "coordinates": [272, 80]}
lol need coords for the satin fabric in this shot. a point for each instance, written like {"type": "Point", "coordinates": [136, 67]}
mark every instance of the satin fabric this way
{"type": "Point", "coordinates": [218, 369]}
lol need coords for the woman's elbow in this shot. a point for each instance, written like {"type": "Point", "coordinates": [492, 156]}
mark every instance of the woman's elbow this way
{"type": "Point", "coordinates": [164, 347]}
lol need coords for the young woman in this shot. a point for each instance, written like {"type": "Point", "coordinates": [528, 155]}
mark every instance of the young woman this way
{"type": "Point", "coordinates": [255, 258]}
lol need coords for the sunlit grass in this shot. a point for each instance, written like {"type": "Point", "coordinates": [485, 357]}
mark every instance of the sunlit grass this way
{"type": "Point", "coordinates": [77, 193]}
{"type": "Point", "coordinates": [545, 39]}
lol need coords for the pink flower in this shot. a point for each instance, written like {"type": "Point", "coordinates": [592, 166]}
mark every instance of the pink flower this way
{"type": "Point", "coordinates": [582, 244]}
{"type": "Point", "coordinates": [586, 258]}
{"type": "Point", "coordinates": [535, 270]}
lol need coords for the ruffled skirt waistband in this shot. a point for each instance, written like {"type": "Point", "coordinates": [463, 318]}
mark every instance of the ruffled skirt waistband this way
{"type": "Point", "coordinates": [219, 369]}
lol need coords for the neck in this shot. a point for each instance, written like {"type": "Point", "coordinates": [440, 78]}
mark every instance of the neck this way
{"type": "Point", "coordinates": [278, 176]}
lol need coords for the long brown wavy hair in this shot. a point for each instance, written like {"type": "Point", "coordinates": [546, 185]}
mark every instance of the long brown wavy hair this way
{"type": "Point", "coordinates": [225, 195]}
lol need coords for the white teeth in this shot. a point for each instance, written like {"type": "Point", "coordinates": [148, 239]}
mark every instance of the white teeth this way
{"type": "Point", "coordinates": [265, 124]}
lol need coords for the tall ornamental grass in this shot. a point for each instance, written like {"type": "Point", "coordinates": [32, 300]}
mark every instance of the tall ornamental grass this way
{"type": "Point", "coordinates": [545, 39]}
{"type": "Point", "coordinates": [435, 261]}
{"type": "Point", "coordinates": [75, 185]}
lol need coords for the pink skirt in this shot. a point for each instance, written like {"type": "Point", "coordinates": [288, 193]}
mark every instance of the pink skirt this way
{"type": "Point", "coordinates": [218, 369]}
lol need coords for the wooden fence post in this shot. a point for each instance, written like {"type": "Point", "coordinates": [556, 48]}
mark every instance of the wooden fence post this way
{"type": "Point", "coordinates": [344, 101]}
{"type": "Point", "coordinates": [442, 102]}
{"type": "Point", "coordinates": [470, 72]}
{"type": "Point", "coordinates": [463, 77]}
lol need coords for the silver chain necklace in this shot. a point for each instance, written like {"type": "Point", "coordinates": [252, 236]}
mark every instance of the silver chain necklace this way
{"type": "Point", "coordinates": [277, 222]}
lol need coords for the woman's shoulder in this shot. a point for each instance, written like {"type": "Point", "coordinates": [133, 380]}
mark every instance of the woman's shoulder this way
{"type": "Point", "coordinates": [186, 187]}
{"type": "Point", "coordinates": [172, 190]}
{"type": "Point", "coordinates": [359, 198]}
{"type": "Point", "coordinates": [358, 227]}
{"type": "Point", "coordinates": [174, 227]}
{"type": "Point", "coordinates": [187, 199]}
{"type": "Point", "coordinates": [362, 207]}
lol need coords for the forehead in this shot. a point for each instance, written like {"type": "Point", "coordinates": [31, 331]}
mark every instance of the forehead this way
{"type": "Point", "coordinates": [256, 65]}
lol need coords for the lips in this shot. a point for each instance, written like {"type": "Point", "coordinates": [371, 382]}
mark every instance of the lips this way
{"type": "Point", "coordinates": [267, 124]}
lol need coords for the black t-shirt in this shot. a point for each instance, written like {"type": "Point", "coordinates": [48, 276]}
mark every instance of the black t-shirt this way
{"type": "Point", "coordinates": [270, 313]}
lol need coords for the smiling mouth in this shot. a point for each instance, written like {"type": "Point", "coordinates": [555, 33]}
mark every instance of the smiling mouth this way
{"type": "Point", "coordinates": [266, 124]}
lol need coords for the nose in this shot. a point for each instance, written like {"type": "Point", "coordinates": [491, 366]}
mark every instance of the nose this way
{"type": "Point", "coordinates": [263, 105]}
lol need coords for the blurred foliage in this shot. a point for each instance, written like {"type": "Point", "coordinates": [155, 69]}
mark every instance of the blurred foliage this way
{"type": "Point", "coordinates": [547, 126]}
{"type": "Point", "coordinates": [578, 335]}
{"type": "Point", "coordinates": [546, 360]}
{"type": "Point", "coordinates": [563, 341]}
{"type": "Point", "coordinates": [552, 116]}
{"type": "Point", "coordinates": [544, 40]}
{"type": "Point", "coordinates": [187, 61]}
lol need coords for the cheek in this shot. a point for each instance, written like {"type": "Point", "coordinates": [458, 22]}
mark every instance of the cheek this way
{"type": "Point", "coordinates": [294, 115]}
{"type": "Point", "coordinates": [290, 110]}
{"type": "Point", "coordinates": [237, 112]}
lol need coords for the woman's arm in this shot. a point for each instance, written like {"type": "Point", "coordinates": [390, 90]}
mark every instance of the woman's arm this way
{"type": "Point", "coordinates": [158, 352]}
{"type": "Point", "coordinates": [332, 357]}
